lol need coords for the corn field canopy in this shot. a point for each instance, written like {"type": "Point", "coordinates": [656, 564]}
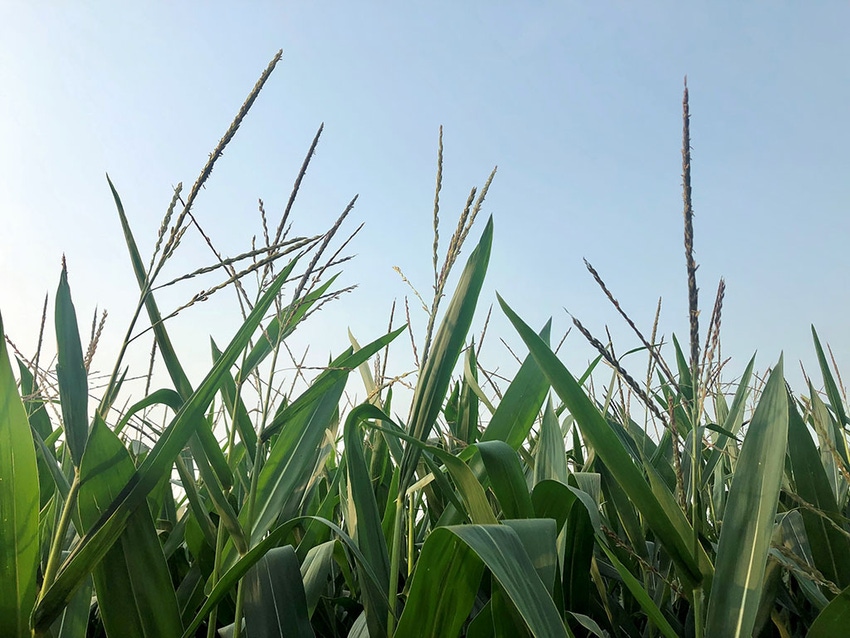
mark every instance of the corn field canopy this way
{"type": "Point", "coordinates": [685, 498]}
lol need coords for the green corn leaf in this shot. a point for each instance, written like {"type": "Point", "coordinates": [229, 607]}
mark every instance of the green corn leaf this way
{"type": "Point", "coordinates": [471, 396]}
{"type": "Point", "coordinates": [830, 548]}
{"type": "Point", "coordinates": [134, 592]}
{"type": "Point", "coordinates": [19, 499]}
{"type": "Point", "coordinates": [203, 437]}
{"type": "Point", "coordinates": [622, 509]}
{"type": "Point", "coordinates": [521, 402]}
{"type": "Point", "coordinates": [235, 406]}
{"type": "Point", "coordinates": [97, 541]}
{"type": "Point", "coordinates": [436, 374]}
{"type": "Point", "coordinates": [749, 516]}
{"type": "Point", "coordinates": [550, 459]}
{"type": "Point", "coordinates": [74, 620]}
{"type": "Point", "coordinates": [829, 440]}
{"type": "Point", "coordinates": [732, 422]}
{"type": "Point", "coordinates": [284, 476]}
{"type": "Point", "coordinates": [657, 505]}
{"type": "Point", "coordinates": [834, 619]}
{"type": "Point", "coordinates": [472, 497]}
{"type": "Point", "coordinates": [506, 478]}
{"type": "Point", "coordinates": [163, 396]}
{"type": "Point", "coordinates": [458, 555]}
{"type": "Point", "coordinates": [50, 473]}
{"type": "Point", "coordinates": [33, 402]}
{"type": "Point", "coordinates": [71, 372]}
{"type": "Point", "coordinates": [685, 380]}
{"type": "Point", "coordinates": [275, 602]}
{"type": "Point", "coordinates": [170, 398]}
{"type": "Point", "coordinates": [830, 385]}
{"type": "Point", "coordinates": [315, 571]}
{"type": "Point", "coordinates": [367, 526]}
{"type": "Point", "coordinates": [538, 537]}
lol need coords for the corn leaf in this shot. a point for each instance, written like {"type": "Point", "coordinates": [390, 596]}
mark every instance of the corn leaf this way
{"type": "Point", "coordinates": [522, 401]}
{"type": "Point", "coordinates": [315, 571]}
{"type": "Point", "coordinates": [275, 602]}
{"type": "Point", "coordinates": [830, 548]}
{"type": "Point", "coordinates": [458, 555]}
{"type": "Point", "coordinates": [283, 478]}
{"type": "Point", "coordinates": [229, 579]}
{"type": "Point", "coordinates": [272, 335]}
{"type": "Point", "coordinates": [19, 499]}
{"type": "Point", "coordinates": [550, 459]}
{"type": "Point", "coordinates": [134, 591]}
{"type": "Point", "coordinates": [338, 369]}
{"type": "Point", "coordinates": [834, 619]}
{"type": "Point", "coordinates": [437, 371]}
{"type": "Point", "coordinates": [367, 525]}
{"type": "Point", "coordinates": [506, 478]}
{"type": "Point", "coordinates": [71, 372]}
{"type": "Point", "coordinates": [236, 407]}
{"type": "Point", "coordinates": [749, 518]}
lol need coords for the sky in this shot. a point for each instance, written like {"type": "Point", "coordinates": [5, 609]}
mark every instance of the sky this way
{"type": "Point", "coordinates": [579, 105]}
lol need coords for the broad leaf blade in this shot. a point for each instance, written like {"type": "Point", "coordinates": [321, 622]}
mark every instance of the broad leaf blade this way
{"type": "Point", "coordinates": [458, 555]}
{"type": "Point", "coordinates": [834, 619]}
{"type": "Point", "coordinates": [19, 497]}
{"type": "Point", "coordinates": [275, 602]}
{"type": "Point", "coordinates": [506, 478]}
{"type": "Point", "coordinates": [134, 591]}
{"type": "Point", "coordinates": [749, 517]}
{"type": "Point", "coordinates": [71, 372]}
{"type": "Point", "coordinates": [367, 529]}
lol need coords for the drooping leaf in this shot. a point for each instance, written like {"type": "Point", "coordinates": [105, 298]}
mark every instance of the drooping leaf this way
{"type": "Point", "coordinates": [367, 529]}
{"type": "Point", "coordinates": [458, 555]}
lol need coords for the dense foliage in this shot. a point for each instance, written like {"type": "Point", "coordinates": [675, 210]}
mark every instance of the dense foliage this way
{"type": "Point", "coordinates": [546, 508]}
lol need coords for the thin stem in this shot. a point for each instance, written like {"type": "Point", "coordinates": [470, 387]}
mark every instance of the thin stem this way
{"type": "Point", "coordinates": [396, 559]}
{"type": "Point", "coordinates": [56, 547]}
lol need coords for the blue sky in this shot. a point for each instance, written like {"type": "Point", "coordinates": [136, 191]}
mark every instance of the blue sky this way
{"type": "Point", "coordinates": [579, 104]}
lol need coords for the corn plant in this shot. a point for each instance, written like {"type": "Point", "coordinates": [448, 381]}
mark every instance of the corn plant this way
{"type": "Point", "coordinates": [548, 507]}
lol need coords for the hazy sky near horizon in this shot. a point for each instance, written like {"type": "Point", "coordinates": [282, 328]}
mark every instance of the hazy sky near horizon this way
{"type": "Point", "coordinates": [579, 105]}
